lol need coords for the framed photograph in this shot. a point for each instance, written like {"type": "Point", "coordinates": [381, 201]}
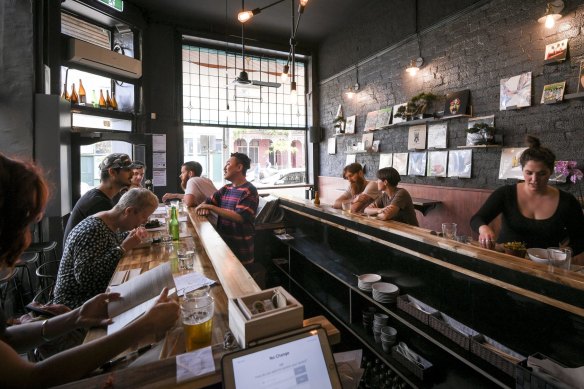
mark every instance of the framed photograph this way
{"type": "Point", "coordinates": [484, 136]}
{"type": "Point", "coordinates": [375, 146]}
{"type": "Point", "coordinates": [385, 160]}
{"type": "Point", "coordinates": [437, 135]}
{"type": "Point", "coordinates": [417, 137]}
{"type": "Point", "coordinates": [509, 166]}
{"type": "Point", "coordinates": [457, 103]}
{"type": "Point", "coordinates": [351, 158]}
{"type": "Point", "coordinates": [400, 163]}
{"type": "Point", "coordinates": [371, 121]}
{"type": "Point", "coordinates": [556, 52]}
{"type": "Point", "coordinates": [395, 119]}
{"type": "Point", "coordinates": [383, 118]}
{"type": "Point", "coordinates": [367, 142]}
{"type": "Point", "coordinates": [581, 78]}
{"type": "Point", "coordinates": [515, 92]}
{"type": "Point", "coordinates": [417, 164]}
{"type": "Point", "coordinates": [437, 163]}
{"type": "Point", "coordinates": [350, 125]}
{"type": "Point", "coordinates": [332, 146]}
{"type": "Point", "coordinates": [553, 93]}
{"type": "Point", "coordinates": [460, 163]}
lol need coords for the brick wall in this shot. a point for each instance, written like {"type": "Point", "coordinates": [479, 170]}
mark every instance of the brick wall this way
{"type": "Point", "coordinates": [494, 40]}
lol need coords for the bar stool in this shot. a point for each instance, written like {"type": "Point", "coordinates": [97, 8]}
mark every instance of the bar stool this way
{"type": "Point", "coordinates": [7, 277]}
{"type": "Point", "coordinates": [23, 263]}
{"type": "Point", "coordinates": [43, 249]}
{"type": "Point", "coordinates": [47, 274]}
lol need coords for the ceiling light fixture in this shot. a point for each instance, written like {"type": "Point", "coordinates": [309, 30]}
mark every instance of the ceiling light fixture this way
{"type": "Point", "coordinates": [244, 16]}
{"type": "Point", "coordinates": [552, 13]}
{"type": "Point", "coordinates": [351, 92]}
{"type": "Point", "coordinates": [415, 64]}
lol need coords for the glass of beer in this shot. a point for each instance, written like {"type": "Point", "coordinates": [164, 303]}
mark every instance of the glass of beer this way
{"type": "Point", "coordinates": [197, 317]}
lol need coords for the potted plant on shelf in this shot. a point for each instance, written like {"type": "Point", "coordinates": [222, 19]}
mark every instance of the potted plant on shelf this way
{"type": "Point", "coordinates": [480, 134]}
{"type": "Point", "coordinates": [339, 121]}
{"type": "Point", "coordinates": [417, 106]}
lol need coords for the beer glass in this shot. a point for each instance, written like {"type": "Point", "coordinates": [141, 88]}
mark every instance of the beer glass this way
{"type": "Point", "coordinates": [197, 317]}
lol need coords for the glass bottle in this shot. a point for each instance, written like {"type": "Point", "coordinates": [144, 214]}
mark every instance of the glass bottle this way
{"type": "Point", "coordinates": [94, 101]}
{"type": "Point", "coordinates": [173, 226]}
{"type": "Point", "coordinates": [65, 94]}
{"type": "Point", "coordinates": [316, 198]}
{"type": "Point", "coordinates": [74, 97]}
{"type": "Point", "coordinates": [101, 100]}
{"type": "Point", "coordinates": [114, 103]}
{"type": "Point", "coordinates": [82, 94]}
{"type": "Point", "coordinates": [108, 100]}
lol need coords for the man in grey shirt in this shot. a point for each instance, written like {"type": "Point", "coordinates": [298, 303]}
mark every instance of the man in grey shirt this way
{"type": "Point", "coordinates": [196, 188]}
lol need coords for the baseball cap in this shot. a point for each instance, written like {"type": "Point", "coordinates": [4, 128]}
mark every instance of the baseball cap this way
{"type": "Point", "coordinates": [116, 161]}
{"type": "Point", "coordinates": [137, 165]}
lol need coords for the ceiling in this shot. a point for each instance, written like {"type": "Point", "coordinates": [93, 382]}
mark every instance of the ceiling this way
{"type": "Point", "coordinates": [320, 18]}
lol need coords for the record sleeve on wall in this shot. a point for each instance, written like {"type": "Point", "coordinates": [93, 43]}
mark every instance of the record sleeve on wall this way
{"type": "Point", "coordinates": [437, 135]}
{"type": "Point", "coordinates": [371, 121]}
{"type": "Point", "coordinates": [515, 92]}
{"type": "Point", "coordinates": [459, 163]}
{"type": "Point", "coordinates": [417, 164]}
{"type": "Point", "coordinates": [400, 163]}
{"type": "Point", "coordinates": [350, 125]}
{"type": "Point", "coordinates": [385, 160]}
{"type": "Point", "coordinates": [417, 137]}
{"type": "Point", "coordinates": [457, 103]}
{"type": "Point", "coordinates": [437, 163]}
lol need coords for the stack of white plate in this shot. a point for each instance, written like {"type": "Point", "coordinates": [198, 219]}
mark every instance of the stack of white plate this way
{"type": "Point", "coordinates": [385, 292]}
{"type": "Point", "coordinates": [365, 281]}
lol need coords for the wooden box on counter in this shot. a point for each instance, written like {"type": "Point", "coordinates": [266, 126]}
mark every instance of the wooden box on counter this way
{"type": "Point", "coordinates": [268, 323]}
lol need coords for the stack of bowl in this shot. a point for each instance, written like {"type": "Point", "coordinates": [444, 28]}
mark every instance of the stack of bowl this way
{"type": "Point", "coordinates": [385, 292]}
{"type": "Point", "coordinates": [379, 321]}
{"type": "Point", "coordinates": [388, 338]}
{"type": "Point", "coordinates": [366, 281]}
{"type": "Point", "coordinates": [368, 318]}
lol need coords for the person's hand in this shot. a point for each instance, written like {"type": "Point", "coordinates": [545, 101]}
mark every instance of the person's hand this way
{"type": "Point", "coordinates": [168, 196]}
{"type": "Point", "coordinates": [203, 209]}
{"type": "Point", "coordinates": [93, 313]}
{"type": "Point", "coordinates": [163, 314]}
{"type": "Point", "coordinates": [486, 237]}
{"type": "Point", "coordinates": [134, 238]}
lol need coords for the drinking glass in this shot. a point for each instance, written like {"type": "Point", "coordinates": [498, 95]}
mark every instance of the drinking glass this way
{"type": "Point", "coordinates": [559, 258]}
{"type": "Point", "coordinates": [346, 206]}
{"type": "Point", "coordinates": [449, 230]}
{"type": "Point", "coordinates": [197, 317]}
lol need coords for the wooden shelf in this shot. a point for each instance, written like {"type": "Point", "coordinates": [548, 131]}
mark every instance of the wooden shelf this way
{"type": "Point", "coordinates": [428, 120]}
{"type": "Point", "coordinates": [571, 96]}
{"type": "Point", "coordinates": [480, 147]}
{"type": "Point", "coordinates": [362, 152]}
{"type": "Point", "coordinates": [344, 134]}
{"type": "Point", "coordinates": [89, 110]}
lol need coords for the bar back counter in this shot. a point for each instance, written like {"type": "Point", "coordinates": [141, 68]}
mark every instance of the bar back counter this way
{"type": "Point", "coordinates": [507, 305]}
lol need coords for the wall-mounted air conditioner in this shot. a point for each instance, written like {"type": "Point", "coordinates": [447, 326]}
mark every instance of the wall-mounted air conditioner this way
{"type": "Point", "coordinates": [99, 58]}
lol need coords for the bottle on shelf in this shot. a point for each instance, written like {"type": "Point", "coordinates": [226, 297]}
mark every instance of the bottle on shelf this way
{"type": "Point", "coordinates": [94, 101]}
{"type": "Point", "coordinates": [82, 94]}
{"type": "Point", "coordinates": [102, 103]}
{"type": "Point", "coordinates": [108, 100]}
{"type": "Point", "coordinates": [316, 198]}
{"type": "Point", "coordinates": [173, 225]}
{"type": "Point", "coordinates": [74, 97]}
{"type": "Point", "coordinates": [114, 103]}
{"type": "Point", "coordinates": [65, 94]}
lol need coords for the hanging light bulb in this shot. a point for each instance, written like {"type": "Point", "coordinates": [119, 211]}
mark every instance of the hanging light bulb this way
{"type": "Point", "coordinates": [351, 92]}
{"type": "Point", "coordinates": [284, 75]}
{"type": "Point", "coordinates": [552, 13]}
{"type": "Point", "coordinates": [293, 91]}
{"type": "Point", "coordinates": [414, 66]}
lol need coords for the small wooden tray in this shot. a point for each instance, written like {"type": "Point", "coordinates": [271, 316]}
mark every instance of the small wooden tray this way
{"type": "Point", "coordinates": [452, 329]}
{"type": "Point", "coordinates": [418, 371]}
{"type": "Point", "coordinates": [410, 305]}
{"type": "Point", "coordinates": [495, 353]}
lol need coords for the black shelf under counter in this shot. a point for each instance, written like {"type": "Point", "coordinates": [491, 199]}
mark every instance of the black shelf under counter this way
{"type": "Point", "coordinates": [102, 112]}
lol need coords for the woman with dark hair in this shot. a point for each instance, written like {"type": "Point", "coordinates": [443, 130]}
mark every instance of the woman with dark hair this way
{"type": "Point", "coordinates": [23, 196]}
{"type": "Point", "coordinates": [532, 211]}
{"type": "Point", "coordinates": [394, 203]}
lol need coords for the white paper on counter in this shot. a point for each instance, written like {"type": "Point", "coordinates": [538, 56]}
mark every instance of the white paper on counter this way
{"type": "Point", "coordinates": [191, 281]}
{"type": "Point", "coordinates": [194, 364]}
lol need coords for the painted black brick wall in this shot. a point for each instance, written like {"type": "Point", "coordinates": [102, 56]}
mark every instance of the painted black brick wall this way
{"type": "Point", "coordinates": [475, 51]}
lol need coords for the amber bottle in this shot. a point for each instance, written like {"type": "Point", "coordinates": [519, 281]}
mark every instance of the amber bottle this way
{"type": "Point", "coordinates": [82, 94]}
{"type": "Point", "coordinates": [102, 103]}
{"type": "Point", "coordinates": [74, 97]}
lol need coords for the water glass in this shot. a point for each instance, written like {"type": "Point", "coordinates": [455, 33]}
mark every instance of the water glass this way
{"type": "Point", "coordinates": [346, 206]}
{"type": "Point", "coordinates": [559, 258]}
{"type": "Point", "coordinates": [449, 230]}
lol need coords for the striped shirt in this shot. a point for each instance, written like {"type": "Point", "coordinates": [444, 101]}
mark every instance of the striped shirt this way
{"type": "Point", "coordinates": [239, 237]}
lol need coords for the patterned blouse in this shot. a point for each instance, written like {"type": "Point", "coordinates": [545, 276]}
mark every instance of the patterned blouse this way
{"type": "Point", "coordinates": [89, 260]}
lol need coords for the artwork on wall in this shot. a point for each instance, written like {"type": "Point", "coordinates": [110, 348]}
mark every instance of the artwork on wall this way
{"type": "Point", "coordinates": [417, 137]}
{"type": "Point", "coordinates": [383, 118]}
{"type": "Point", "coordinates": [515, 92]}
{"type": "Point", "coordinates": [351, 158]}
{"type": "Point", "coordinates": [557, 51]}
{"type": "Point", "coordinates": [332, 146]}
{"type": "Point", "coordinates": [417, 164]}
{"type": "Point", "coordinates": [437, 163]}
{"type": "Point", "coordinates": [437, 135]}
{"type": "Point", "coordinates": [480, 130]}
{"type": "Point", "coordinates": [510, 167]}
{"type": "Point", "coordinates": [581, 78]}
{"type": "Point", "coordinates": [375, 146]}
{"type": "Point", "coordinates": [459, 163]}
{"type": "Point", "coordinates": [457, 103]}
{"type": "Point", "coordinates": [385, 160]}
{"type": "Point", "coordinates": [350, 125]}
{"type": "Point", "coordinates": [371, 121]}
{"type": "Point", "coordinates": [395, 109]}
{"type": "Point", "coordinates": [553, 93]}
{"type": "Point", "coordinates": [400, 163]}
{"type": "Point", "coordinates": [367, 142]}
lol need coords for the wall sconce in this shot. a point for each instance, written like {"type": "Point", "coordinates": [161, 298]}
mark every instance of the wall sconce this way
{"type": "Point", "coordinates": [552, 13]}
{"type": "Point", "coordinates": [414, 66]}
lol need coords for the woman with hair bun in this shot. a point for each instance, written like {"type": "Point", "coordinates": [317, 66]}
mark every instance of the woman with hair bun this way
{"type": "Point", "coordinates": [533, 211]}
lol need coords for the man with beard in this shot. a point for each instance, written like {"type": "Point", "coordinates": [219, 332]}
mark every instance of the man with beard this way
{"type": "Point", "coordinates": [116, 173]}
{"type": "Point", "coordinates": [197, 189]}
{"type": "Point", "coordinates": [360, 192]}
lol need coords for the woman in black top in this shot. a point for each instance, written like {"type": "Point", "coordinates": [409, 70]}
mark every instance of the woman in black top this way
{"type": "Point", "coordinates": [532, 211]}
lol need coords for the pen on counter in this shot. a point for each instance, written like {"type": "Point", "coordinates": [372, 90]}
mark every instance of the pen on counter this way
{"type": "Point", "coordinates": [111, 363]}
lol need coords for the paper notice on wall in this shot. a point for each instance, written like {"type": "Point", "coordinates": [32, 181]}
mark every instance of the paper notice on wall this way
{"type": "Point", "coordinates": [159, 177]}
{"type": "Point", "coordinates": [158, 160]}
{"type": "Point", "coordinates": [159, 142]}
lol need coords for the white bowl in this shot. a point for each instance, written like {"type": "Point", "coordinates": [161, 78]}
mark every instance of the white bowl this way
{"type": "Point", "coordinates": [369, 278]}
{"type": "Point", "coordinates": [538, 255]}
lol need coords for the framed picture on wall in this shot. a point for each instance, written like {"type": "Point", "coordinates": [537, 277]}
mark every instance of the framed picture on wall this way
{"type": "Point", "coordinates": [371, 121]}
{"type": "Point", "coordinates": [553, 93]}
{"type": "Point", "coordinates": [460, 163]}
{"type": "Point", "coordinates": [400, 163]}
{"type": "Point", "coordinates": [332, 146]}
{"type": "Point", "coordinates": [515, 92]}
{"type": "Point", "coordinates": [383, 118]}
{"type": "Point", "coordinates": [367, 142]}
{"type": "Point", "coordinates": [351, 158]}
{"type": "Point", "coordinates": [457, 103]}
{"type": "Point", "coordinates": [350, 125]}
{"type": "Point", "coordinates": [509, 166]}
{"type": "Point", "coordinates": [556, 52]}
{"type": "Point", "coordinates": [437, 163]}
{"type": "Point", "coordinates": [437, 135]}
{"type": "Point", "coordinates": [395, 119]}
{"type": "Point", "coordinates": [385, 160]}
{"type": "Point", "coordinates": [417, 164]}
{"type": "Point", "coordinates": [417, 137]}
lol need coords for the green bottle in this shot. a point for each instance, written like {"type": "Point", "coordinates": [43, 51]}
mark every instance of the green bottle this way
{"type": "Point", "coordinates": [174, 228]}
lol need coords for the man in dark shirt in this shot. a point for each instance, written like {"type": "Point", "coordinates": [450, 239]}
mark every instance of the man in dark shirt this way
{"type": "Point", "coordinates": [116, 173]}
{"type": "Point", "coordinates": [235, 205]}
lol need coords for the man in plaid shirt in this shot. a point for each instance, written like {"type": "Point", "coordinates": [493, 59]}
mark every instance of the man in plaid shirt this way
{"type": "Point", "coordinates": [235, 205]}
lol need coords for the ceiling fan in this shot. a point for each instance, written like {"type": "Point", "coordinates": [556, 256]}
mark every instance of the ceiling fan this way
{"type": "Point", "coordinates": [243, 78]}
